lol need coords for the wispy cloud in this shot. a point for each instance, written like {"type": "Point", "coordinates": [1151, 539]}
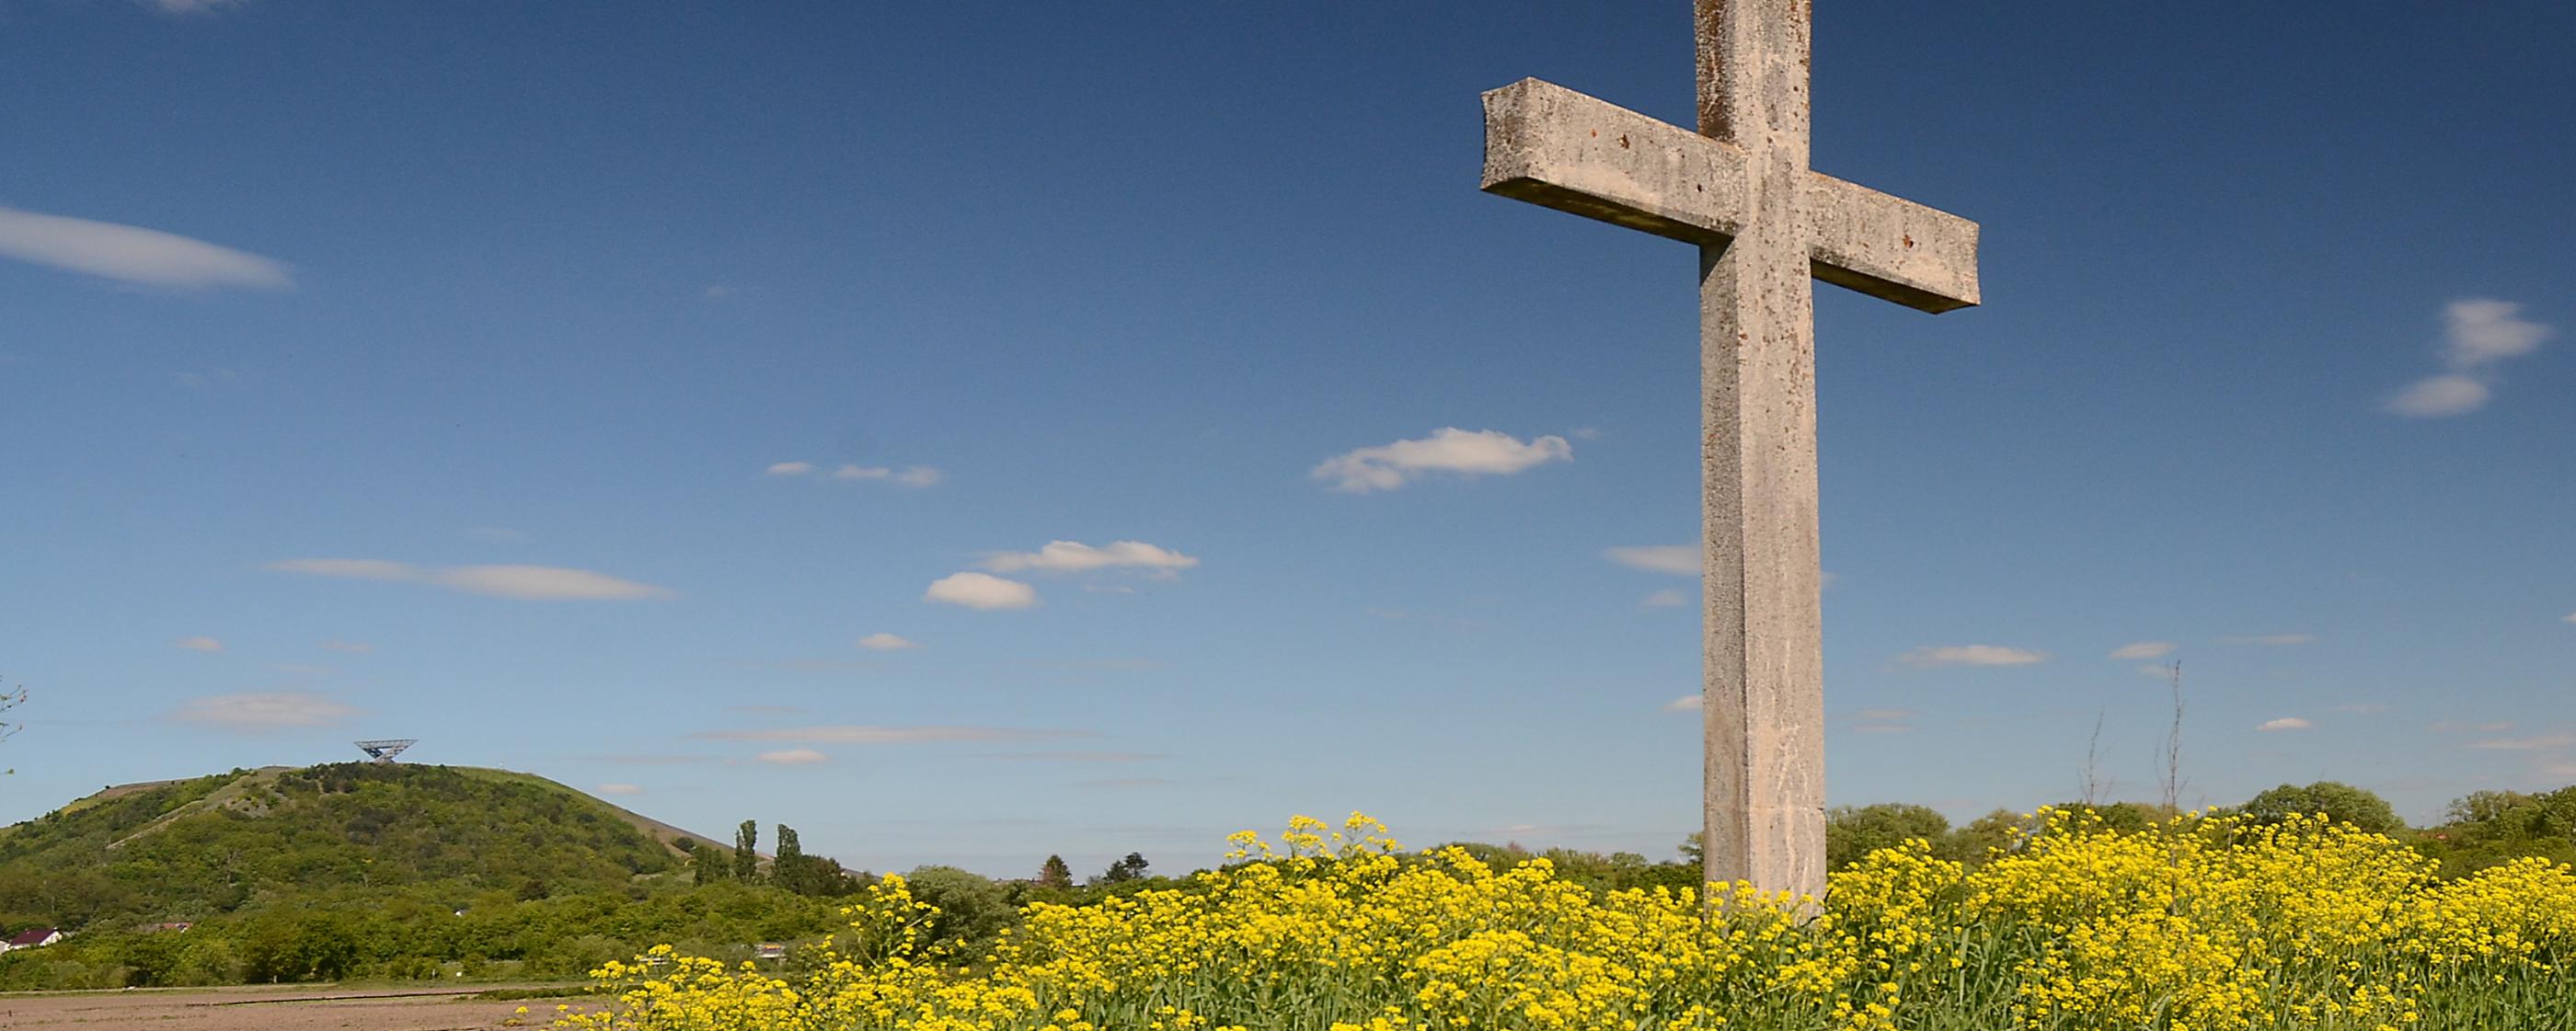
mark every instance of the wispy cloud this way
{"type": "Point", "coordinates": [873, 735]}
{"type": "Point", "coordinates": [191, 6]}
{"type": "Point", "coordinates": [351, 647]}
{"type": "Point", "coordinates": [2362, 708]}
{"type": "Point", "coordinates": [199, 644]}
{"type": "Point", "coordinates": [1077, 557]}
{"type": "Point", "coordinates": [1677, 559]}
{"type": "Point", "coordinates": [1077, 757]}
{"type": "Point", "coordinates": [2435, 397]}
{"type": "Point", "coordinates": [1970, 655]}
{"type": "Point", "coordinates": [792, 757]}
{"type": "Point", "coordinates": [2526, 744]}
{"type": "Point", "coordinates": [133, 254]}
{"type": "Point", "coordinates": [1685, 703]}
{"type": "Point", "coordinates": [1447, 450]}
{"type": "Point", "coordinates": [2478, 334]}
{"type": "Point", "coordinates": [2272, 640]}
{"type": "Point", "coordinates": [532, 583]}
{"type": "Point", "coordinates": [2457, 727]}
{"type": "Point", "coordinates": [1669, 597]}
{"type": "Point", "coordinates": [915, 476]}
{"type": "Point", "coordinates": [621, 789]}
{"type": "Point", "coordinates": [262, 710]}
{"type": "Point", "coordinates": [1881, 721]}
{"type": "Point", "coordinates": [2571, 618]}
{"type": "Point", "coordinates": [981, 591]}
{"type": "Point", "coordinates": [885, 642]}
{"type": "Point", "coordinates": [2284, 723]}
{"type": "Point", "coordinates": [2143, 650]}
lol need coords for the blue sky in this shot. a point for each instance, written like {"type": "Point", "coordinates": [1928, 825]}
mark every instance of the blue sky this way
{"type": "Point", "coordinates": [686, 403]}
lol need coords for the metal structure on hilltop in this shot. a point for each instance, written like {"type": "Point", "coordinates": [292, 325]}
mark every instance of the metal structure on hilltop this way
{"type": "Point", "coordinates": [385, 751]}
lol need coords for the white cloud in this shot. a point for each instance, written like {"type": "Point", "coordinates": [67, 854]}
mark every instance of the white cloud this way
{"type": "Point", "coordinates": [1885, 715]}
{"type": "Point", "coordinates": [1448, 449]}
{"type": "Point", "coordinates": [545, 583]}
{"type": "Point", "coordinates": [981, 591]}
{"type": "Point", "coordinates": [532, 583]}
{"type": "Point", "coordinates": [793, 757]}
{"type": "Point", "coordinates": [917, 476]}
{"type": "Point", "coordinates": [2284, 723]}
{"type": "Point", "coordinates": [885, 642]}
{"type": "Point", "coordinates": [869, 735]}
{"type": "Point", "coordinates": [719, 292]}
{"type": "Point", "coordinates": [2527, 744]}
{"type": "Point", "coordinates": [621, 789]}
{"type": "Point", "coordinates": [791, 468]}
{"type": "Point", "coordinates": [352, 647]}
{"type": "Point", "coordinates": [352, 568]}
{"type": "Point", "coordinates": [1669, 597]}
{"type": "Point", "coordinates": [199, 644]}
{"type": "Point", "coordinates": [191, 6]}
{"type": "Point", "coordinates": [133, 254]}
{"type": "Point", "coordinates": [2571, 617]}
{"type": "Point", "coordinates": [1077, 557]}
{"type": "Point", "coordinates": [2274, 640]}
{"type": "Point", "coordinates": [1685, 703]}
{"type": "Point", "coordinates": [265, 709]}
{"type": "Point", "coordinates": [2143, 650]}
{"type": "Point", "coordinates": [2434, 397]}
{"type": "Point", "coordinates": [2478, 333]}
{"type": "Point", "coordinates": [2483, 331]}
{"type": "Point", "coordinates": [1677, 559]}
{"type": "Point", "coordinates": [1969, 655]}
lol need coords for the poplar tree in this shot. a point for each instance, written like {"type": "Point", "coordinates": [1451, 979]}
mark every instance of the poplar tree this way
{"type": "Point", "coordinates": [746, 854]}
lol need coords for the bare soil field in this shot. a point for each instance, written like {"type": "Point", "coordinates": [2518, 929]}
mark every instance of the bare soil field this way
{"type": "Point", "coordinates": [273, 1008]}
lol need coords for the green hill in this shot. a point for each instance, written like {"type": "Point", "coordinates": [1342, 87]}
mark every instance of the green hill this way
{"type": "Point", "coordinates": [191, 849]}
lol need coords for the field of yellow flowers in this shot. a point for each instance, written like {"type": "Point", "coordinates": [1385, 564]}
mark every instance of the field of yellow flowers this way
{"type": "Point", "coordinates": [2207, 924]}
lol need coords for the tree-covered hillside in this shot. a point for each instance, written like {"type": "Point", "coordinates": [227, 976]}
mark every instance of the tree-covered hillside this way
{"type": "Point", "coordinates": [193, 849]}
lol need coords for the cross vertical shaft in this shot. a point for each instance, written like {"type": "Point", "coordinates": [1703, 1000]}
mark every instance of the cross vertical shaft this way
{"type": "Point", "coordinates": [1762, 690]}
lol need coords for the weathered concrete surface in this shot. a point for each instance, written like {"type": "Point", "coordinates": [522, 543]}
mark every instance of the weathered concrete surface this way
{"type": "Point", "coordinates": [1765, 223]}
{"type": "Point", "coordinates": [1763, 676]}
{"type": "Point", "coordinates": [1557, 148]}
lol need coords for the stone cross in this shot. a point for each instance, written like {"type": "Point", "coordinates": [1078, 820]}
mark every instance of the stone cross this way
{"type": "Point", "coordinates": [1740, 188]}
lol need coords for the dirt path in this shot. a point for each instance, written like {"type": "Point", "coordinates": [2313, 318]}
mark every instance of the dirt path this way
{"type": "Point", "coordinates": [273, 1008]}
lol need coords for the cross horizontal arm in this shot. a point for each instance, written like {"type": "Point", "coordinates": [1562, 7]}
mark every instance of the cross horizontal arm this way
{"type": "Point", "coordinates": [1558, 148]}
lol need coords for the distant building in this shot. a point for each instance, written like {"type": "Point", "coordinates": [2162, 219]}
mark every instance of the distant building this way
{"type": "Point", "coordinates": [32, 939]}
{"type": "Point", "coordinates": [771, 950]}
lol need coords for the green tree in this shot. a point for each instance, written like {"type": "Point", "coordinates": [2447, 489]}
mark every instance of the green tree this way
{"type": "Point", "coordinates": [2342, 803]}
{"type": "Point", "coordinates": [2000, 831]}
{"type": "Point", "coordinates": [707, 865]}
{"type": "Point", "coordinates": [972, 909]}
{"type": "Point", "coordinates": [1129, 869]}
{"type": "Point", "coordinates": [746, 852]}
{"type": "Point", "coordinates": [787, 868]}
{"type": "Point", "coordinates": [1054, 874]}
{"type": "Point", "coordinates": [1853, 832]}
